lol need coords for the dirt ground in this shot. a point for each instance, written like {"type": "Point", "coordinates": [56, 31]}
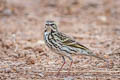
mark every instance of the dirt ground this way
{"type": "Point", "coordinates": [94, 23]}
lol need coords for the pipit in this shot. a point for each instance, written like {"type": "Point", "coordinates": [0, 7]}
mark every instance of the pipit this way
{"type": "Point", "coordinates": [64, 45]}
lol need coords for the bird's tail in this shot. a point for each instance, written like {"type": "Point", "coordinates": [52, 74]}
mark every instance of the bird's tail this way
{"type": "Point", "coordinates": [90, 53]}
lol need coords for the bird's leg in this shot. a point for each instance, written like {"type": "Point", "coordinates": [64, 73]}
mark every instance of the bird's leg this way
{"type": "Point", "coordinates": [62, 65]}
{"type": "Point", "coordinates": [70, 65]}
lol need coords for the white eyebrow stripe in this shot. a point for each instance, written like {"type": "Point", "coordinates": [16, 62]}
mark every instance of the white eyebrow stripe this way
{"type": "Point", "coordinates": [49, 22]}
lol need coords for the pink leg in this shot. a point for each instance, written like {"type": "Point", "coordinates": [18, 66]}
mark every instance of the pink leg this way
{"type": "Point", "coordinates": [70, 67]}
{"type": "Point", "coordinates": [61, 66]}
{"type": "Point", "coordinates": [70, 64]}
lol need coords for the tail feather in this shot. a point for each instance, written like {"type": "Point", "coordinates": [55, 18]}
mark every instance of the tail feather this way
{"type": "Point", "coordinates": [98, 57]}
{"type": "Point", "coordinates": [94, 55]}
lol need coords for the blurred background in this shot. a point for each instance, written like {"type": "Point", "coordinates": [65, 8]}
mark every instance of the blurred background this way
{"type": "Point", "coordinates": [94, 23]}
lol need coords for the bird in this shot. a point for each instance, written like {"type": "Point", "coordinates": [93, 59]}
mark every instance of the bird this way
{"type": "Point", "coordinates": [63, 44]}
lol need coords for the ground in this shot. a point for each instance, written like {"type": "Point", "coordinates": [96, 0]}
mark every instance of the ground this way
{"type": "Point", "coordinates": [93, 23]}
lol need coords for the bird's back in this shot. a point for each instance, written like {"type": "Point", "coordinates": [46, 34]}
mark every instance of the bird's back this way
{"type": "Point", "coordinates": [63, 43]}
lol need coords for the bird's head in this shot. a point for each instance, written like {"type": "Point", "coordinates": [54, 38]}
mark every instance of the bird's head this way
{"type": "Point", "coordinates": [50, 26]}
